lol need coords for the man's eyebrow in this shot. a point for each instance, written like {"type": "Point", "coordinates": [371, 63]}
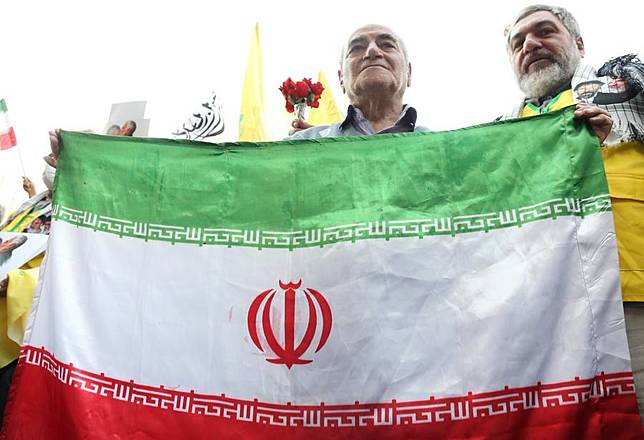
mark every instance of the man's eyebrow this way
{"type": "Point", "coordinates": [536, 25]}
{"type": "Point", "coordinates": [357, 40]}
{"type": "Point", "coordinates": [387, 37]}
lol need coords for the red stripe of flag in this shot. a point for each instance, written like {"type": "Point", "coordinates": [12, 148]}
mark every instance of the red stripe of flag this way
{"type": "Point", "coordinates": [41, 406]}
{"type": "Point", "coordinates": [8, 139]}
{"type": "Point", "coordinates": [54, 400]}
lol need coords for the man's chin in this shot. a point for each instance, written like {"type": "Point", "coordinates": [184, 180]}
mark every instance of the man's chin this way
{"type": "Point", "coordinates": [543, 81]}
{"type": "Point", "coordinates": [549, 78]}
{"type": "Point", "coordinates": [375, 77]}
{"type": "Point", "coordinates": [375, 83]}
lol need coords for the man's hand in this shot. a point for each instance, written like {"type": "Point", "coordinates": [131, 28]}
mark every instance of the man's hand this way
{"type": "Point", "coordinates": [298, 125]}
{"type": "Point", "coordinates": [4, 284]}
{"type": "Point", "coordinates": [28, 186]}
{"type": "Point", "coordinates": [56, 144]}
{"type": "Point", "coordinates": [598, 119]}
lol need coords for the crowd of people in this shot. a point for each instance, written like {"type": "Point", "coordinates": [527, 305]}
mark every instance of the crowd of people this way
{"type": "Point", "coordinates": [546, 50]}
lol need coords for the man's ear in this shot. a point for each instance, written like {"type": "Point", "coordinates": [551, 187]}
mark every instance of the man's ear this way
{"type": "Point", "coordinates": [579, 42]}
{"type": "Point", "coordinates": [408, 74]}
{"type": "Point", "coordinates": [341, 79]}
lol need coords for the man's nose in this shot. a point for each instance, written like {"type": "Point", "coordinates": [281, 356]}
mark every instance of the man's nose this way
{"type": "Point", "coordinates": [531, 43]}
{"type": "Point", "coordinates": [373, 51]}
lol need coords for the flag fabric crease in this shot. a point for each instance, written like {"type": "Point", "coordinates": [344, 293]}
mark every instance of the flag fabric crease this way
{"type": "Point", "coordinates": [449, 284]}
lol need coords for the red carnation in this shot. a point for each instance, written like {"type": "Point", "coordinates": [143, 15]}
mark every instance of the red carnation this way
{"type": "Point", "coordinates": [287, 87]}
{"type": "Point", "coordinates": [300, 93]}
{"type": "Point", "coordinates": [301, 89]}
{"type": "Point", "coordinates": [317, 89]}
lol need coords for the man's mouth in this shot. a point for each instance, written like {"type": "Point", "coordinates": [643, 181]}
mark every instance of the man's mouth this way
{"type": "Point", "coordinates": [540, 62]}
{"type": "Point", "coordinates": [537, 62]}
{"type": "Point", "coordinates": [373, 65]}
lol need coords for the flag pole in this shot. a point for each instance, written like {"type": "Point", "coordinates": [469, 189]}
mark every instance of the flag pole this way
{"type": "Point", "coordinates": [22, 164]}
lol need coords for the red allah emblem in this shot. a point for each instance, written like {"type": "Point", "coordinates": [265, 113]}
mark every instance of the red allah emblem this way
{"type": "Point", "coordinates": [289, 353]}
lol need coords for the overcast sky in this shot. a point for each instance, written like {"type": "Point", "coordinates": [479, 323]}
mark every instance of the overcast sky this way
{"type": "Point", "coordinates": [65, 62]}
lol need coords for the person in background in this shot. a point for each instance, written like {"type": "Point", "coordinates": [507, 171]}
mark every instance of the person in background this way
{"type": "Point", "coordinates": [128, 128]}
{"type": "Point", "coordinates": [17, 288]}
{"type": "Point", "coordinates": [114, 130]}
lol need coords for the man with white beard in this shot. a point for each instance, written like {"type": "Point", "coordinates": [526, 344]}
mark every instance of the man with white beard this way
{"type": "Point", "coordinates": [545, 48]}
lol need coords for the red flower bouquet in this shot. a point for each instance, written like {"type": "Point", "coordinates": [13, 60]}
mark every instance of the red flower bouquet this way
{"type": "Point", "coordinates": [299, 95]}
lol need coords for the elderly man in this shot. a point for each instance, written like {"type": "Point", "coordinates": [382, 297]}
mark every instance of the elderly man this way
{"type": "Point", "coordinates": [545, 48]}
{"type": "Point", "coordinates": [374, 73]}
{"type": "Point", "coordinates": [128, 128]}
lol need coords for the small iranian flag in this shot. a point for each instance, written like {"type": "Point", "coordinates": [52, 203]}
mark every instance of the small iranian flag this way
{"type": "Point", "coordinates": [7, 134]}
{"type": "Point", "coordinates": [421, 285]}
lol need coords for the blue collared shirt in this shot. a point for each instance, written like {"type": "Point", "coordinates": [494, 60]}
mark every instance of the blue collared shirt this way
{"type": "Point", "coordinates": [356, 124]}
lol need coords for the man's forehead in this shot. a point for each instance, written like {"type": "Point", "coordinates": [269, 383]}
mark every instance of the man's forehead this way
{"type": "Point", "coordinates": [372, 31]}
{"type": "Point", "coordinates": [535, 19]}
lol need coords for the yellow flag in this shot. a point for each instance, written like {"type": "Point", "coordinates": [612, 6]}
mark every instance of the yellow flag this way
{"type": "Point", "coordinates": [327, 112]}
{"type": "Point", "coordinates": [251, 123]}
{"type": "Point", "coordinates": [14, 311]}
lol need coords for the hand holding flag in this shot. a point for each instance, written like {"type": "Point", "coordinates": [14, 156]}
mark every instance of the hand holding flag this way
{"type": "Point", "coordinates": [56, 144]}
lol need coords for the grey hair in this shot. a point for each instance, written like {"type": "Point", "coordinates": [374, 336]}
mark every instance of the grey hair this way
{"type": "Point", "coordinates": [403, 47]}
{"type": "Point", "coordinates": [564, 16]}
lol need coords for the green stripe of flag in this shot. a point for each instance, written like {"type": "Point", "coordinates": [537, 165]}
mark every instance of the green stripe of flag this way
{"type": "Point", "coordinates": [308, 185]}
{"type": "Point", "coordinates": [3, 106]}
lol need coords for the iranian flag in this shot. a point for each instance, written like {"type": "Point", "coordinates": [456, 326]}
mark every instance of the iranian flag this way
{"type": "Point", "coordinates": [422, 285]}
{"type": "Point", "coordinates": [7, 134]}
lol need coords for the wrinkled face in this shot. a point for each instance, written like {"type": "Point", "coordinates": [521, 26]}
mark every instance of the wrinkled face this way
{"type": "Point", "coordinates": [127, 129]}
{"type": "Point", "coordinates": [543, 53]}
{"type": "Point", "coordinates": [374, 62]}
{"type": "Point", "coordinates": [114, 130]}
